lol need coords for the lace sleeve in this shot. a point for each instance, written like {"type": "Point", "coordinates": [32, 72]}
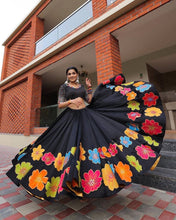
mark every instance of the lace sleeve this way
{"type": "Point", "coordinates": [61, 94]}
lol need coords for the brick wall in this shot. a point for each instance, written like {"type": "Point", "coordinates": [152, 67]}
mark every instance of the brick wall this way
{"type": "Point", "coordinates": [18, 52]}
{"type": "Point", "coordinates": [13, 109]}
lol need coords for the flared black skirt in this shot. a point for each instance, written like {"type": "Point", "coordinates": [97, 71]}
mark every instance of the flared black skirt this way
{"type": "Point", "coordinates": [95, 151]}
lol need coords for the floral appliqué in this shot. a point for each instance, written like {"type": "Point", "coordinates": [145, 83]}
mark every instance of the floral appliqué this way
{"type": "Point", "coordinates": [52, 187]}
{"type": "Point", "coordinates": [145, 152]}
{"type": "Point", "coordinates": [143, 88]}
{"type": "Point", "coordinates": [153, 111]}
{"type": "Point", "coordinates": [94, 156]}
{"type": "Point", "coordinates": [37, 152]}
{"type": "Point", "coordinates": [134, 105]}
{"type": "Point", "coordinates": [123, 171]}
{"type": "Point", "coordinates": [91, 181]}
{"type": "Point", "coordinates": [131, 96]}
{"type": "Point", "coordinates": [48, 158]}
{"type": "Point", "coordinates": [150, 99]}
{"type": "Point", "coordinates": [109, 178]}
{"type": "Point", "coordinates": [134, 115]}
{"type": "Point", "coordinates": [151, 127]}
{"type": "Point", "coordinates": [38, 179]}
{"type": "Point", "coordinates": [22, 169]}
{"type": "Point", "coordinates": [130, 133]}
{"type": "Point", "coordinates": [125, 141]}
{"type": "Point", "coordinates": [134, 162]}
{"type": "Point", "coordinates": [59, 161]}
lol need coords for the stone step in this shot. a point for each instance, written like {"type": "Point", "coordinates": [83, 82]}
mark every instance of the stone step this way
{"type": "Point", "coordinates": [168, 159]}
{"type": "Point", "coordinates": [169, 145]}
{"type": "Point", "coordinates": [161, 178]}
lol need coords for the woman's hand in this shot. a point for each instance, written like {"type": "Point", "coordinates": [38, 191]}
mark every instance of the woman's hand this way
{"type": "Point", "coordinates": [77, 102]}
{"type": "Point", "coordinates": [88, 82]}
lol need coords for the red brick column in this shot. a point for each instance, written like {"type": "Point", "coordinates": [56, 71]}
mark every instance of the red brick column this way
{"type": "Point", "coordinates": [33, 102]}
{"type": "Point", "coordinates": [0, 106]}
{"type": "Point", "coordinates": [37, 33]}
{"type": "Point", "coordinates": [107, 57]}
{"type": "Point", "coordinates": [4, 67]}
{"type": "Point", "coordinates": [99, 7]}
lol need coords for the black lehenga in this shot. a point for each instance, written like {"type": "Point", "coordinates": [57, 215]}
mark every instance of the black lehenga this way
{"type": "Point", "coordinates": [95, 151]}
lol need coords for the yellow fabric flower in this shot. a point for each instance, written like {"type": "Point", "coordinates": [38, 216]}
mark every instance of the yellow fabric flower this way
{"type": "Point", "coordinates": [138, 83]}
{"type": "Point", "coordinates": [73, 150]}
{"type": "Point", "coordinates": [134, 162]}
{"type": "Point", "coordinates": [82, 152]}
{"type": "Point", "coordinates": [37, 152]}
{"type": "Point", "coordinates": [131, 96]}
{"type": "Point", "coordinates": [132, 134]}
{"type": "Point", "coordinates": [153, 111]}
{"type": "Point", "coordinates": [118, 88]}
{"type": "Point", "coordinates": [127, 84]}
{"type": "Point", "coordinates": [119, 146]}
{"type": "Point", "coordinates": [109, 178]}
{"type": "Point", "coordinates": [59, 161]}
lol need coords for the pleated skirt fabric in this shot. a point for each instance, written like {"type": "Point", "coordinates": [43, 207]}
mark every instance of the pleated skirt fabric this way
{"type": "Point", "coordinates": [95, 151]}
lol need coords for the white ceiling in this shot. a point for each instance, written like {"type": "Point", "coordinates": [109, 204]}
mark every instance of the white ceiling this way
{"type": "Point", "coordinates": [57, 11]}
{"type": "Point", "coordinates": [54, 75]}
{"type": "Point", "coordinates": [152, 32]}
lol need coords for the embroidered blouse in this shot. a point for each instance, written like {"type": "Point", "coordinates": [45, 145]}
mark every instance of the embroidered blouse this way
{"type": "Point", "coordinates": [66, 92]}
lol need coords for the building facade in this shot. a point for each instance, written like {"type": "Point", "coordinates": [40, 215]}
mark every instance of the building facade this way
{"type": "Point", "coordinates": [101, 38]}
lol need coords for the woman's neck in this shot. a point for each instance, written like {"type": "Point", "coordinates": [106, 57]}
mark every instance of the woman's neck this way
{"type": "Point", "coordinates": [73, 84]}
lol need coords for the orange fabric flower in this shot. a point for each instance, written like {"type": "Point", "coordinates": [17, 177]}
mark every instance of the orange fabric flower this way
{"type": "Point", "coordinates": [38, 179]}
{"type": "Point", "coordinates": [59, 161]}
{"type": "Point", "coordinates": [131, 96]}
{"type": "Point", "coordinates": [124, 171]}
{"type": "Point", "coordinates": [82, 152]}
{"type": "Point", "coordinates": [132, 134]}
{"type": "Point", "coordinates": [104, 150]}
{"type": "Point", "coordinates": [138, 84]}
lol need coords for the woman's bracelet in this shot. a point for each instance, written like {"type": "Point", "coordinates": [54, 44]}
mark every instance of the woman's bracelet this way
{"type": "Point", "coordinates": [69, 102]}
{"type": "Point", "coordinates": [89, 90]}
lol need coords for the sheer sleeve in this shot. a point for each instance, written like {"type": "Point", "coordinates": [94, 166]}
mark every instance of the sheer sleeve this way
{"type": "Point", "coordinates": [61, 94]}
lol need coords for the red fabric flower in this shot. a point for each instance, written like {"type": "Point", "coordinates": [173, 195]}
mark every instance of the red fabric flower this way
{"type": "Point", "coordinates": [118, 80]}
{"type": "Point", "coordinates": [112, 149]}
{"type": "Point", "coordinates": [48, 158]}
{"type": "Point", "coordinates": [151, 127]}
{"type": "Point", "coordinates": [150, 99]}
{"type": "Point", "coordinates": [133, 115]}
{"type": "Point", "coordinates": [106, 82]}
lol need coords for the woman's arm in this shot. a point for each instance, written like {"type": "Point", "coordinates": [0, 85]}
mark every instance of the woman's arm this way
{"type": "Point", "coordinates": [64, 104]}
{"type": "Point", "coordinates": [71, 103]}
{"type": "Point", "coordinates": [89, 90]}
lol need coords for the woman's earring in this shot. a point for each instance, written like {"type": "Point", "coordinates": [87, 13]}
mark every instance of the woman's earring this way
{"type": "Point", "coordinates": [77, 79]}
{"type": "Point", "coordinates": [66, 82]}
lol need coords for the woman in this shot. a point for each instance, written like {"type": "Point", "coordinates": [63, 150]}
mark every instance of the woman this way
{"type": "Point", "coordinates": [71, 84]}
{"type": "Point", "coordinates": [94, 151]}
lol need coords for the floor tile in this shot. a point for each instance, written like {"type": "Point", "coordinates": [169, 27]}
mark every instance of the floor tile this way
{"type": "Point", "coordinates": [28, 208]}
{"type": "Point", "coordinates": [99, 214]}
{"type": "Point", "coordinates": [130, 214]}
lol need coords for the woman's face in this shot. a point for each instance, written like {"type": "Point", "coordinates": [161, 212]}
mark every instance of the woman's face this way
{"type": "Point", "coordinates": [72, 75]}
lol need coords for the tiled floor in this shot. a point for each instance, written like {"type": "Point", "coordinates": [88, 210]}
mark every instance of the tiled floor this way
{"type": "Point", "coordinates": [135, 202]}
